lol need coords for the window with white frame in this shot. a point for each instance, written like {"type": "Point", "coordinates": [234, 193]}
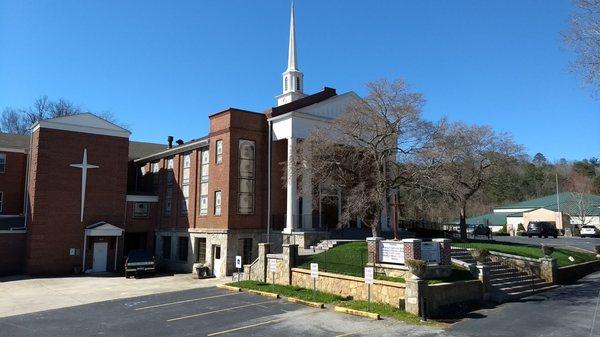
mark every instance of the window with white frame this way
{"type": "Point", "coordinates": [169, 189]}
{"type": "Point", "coordinates": [155, 169]}
{"type": "Point", "coordinates": [219, 151]}
{"type": "Point", "coordinates": [246, 177]}
{"type": "Point", "coordinates": [185, 182]}
{"type": "Point", "coordinates": [217, 202]}
{"type": "Point", "coordinates": [204, 161]}
{"type": "Point", "coordinates": [2, 162]}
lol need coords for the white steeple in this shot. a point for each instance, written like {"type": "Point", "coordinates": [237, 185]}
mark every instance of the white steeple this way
{"type": "Point", "coordinates": [293, 79]}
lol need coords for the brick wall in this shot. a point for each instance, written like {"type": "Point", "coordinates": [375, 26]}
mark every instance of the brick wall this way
{"type": "Point", "coordinates": [12, 251]}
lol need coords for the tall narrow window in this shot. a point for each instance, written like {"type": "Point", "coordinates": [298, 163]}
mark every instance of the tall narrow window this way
{"type": "Point", "coordinates": [246, 177]}
{"type": "Point", "coordinates": [298, 83]}
{"type": "Point", "coordinates": [285, 84]}
{"type": "Point", "coordinates": [169, 189]}
{"type": "Point", "coordinates": [217, 202]}
{"type": "Point", "coordinates": [155, 170]}
{"type": "Point", "coordinates": [204, 157]}
{"type": "Point", "coordinates": [182, 247]}
{"type": "Point", "coordinates": [185, 183]}
{"type": "Point", "coordinates": [200, 250]}
{"type": "Point", "coordinates": [219, 151]}
{"type": "Point", "coordinates": [166, 247]}
{"type": "Point", "coordinates": [2, 162]}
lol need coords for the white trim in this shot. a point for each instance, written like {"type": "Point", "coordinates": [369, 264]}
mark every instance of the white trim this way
{"type": "Point", "coordinates": [173, 151]}
{"type": "Point", "coordinates": [105, 229]}
{"type": "Point", "coordinates": [141, 198]}
{"type": "Point", "coordinates": [13, 150]}
{"type": "Point", "coordinates": [16, 231]}
{"type": "Point", "coordinates": [98, 129]}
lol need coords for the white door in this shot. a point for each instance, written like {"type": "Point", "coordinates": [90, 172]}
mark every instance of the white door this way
{"type": "Point", "coordinates": [100, 256]}
{"type": "Point", "coordinates": [217, 258]}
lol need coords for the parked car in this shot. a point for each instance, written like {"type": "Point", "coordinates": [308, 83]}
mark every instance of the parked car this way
{"type": "Point", "coordinates": [542, 228]}
{"type": "Point", "coordinates": [477, 230]}
{"type": "Point", "coordinates": [589, 231]}
{"type": "Point", "coordinates": [139, 262]}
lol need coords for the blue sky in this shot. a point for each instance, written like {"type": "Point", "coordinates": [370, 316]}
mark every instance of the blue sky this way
{"type": "Point", "coordinates": [162, 67]}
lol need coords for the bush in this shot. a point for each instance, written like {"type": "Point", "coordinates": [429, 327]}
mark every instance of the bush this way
{"type": "Point", "coordinates": [417, 267]}
{"type": "Point", "coordinates": [520, 227]}
{"type": "Point", "coordinates": [503, 230]}
{"type": "Point", "coordinates": [547, 250]}
{"type": "Point", "coordinates": [480, 254]}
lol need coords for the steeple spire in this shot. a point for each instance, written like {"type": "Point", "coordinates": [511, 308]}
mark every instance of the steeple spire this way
{"type": "Point", "coordinates": [292, 47]}
{"type": "Point", "coordinates": [293, 79]}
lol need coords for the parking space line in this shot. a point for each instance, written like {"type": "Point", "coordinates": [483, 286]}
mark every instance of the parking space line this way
{"type": "Point", "coordinates": [185, 301]}
{"type": "Point", "coordinates": [246, 327]}
{"type": "Point", "coordinates": [220, 310]}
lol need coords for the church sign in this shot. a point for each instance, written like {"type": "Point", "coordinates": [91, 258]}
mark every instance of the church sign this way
{"type": "Point", "coordinates": [391, 251]}
{"type": "Point", "coordinates": [430, 252]}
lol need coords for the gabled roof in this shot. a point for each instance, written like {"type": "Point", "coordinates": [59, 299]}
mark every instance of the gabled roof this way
{"type": "Point", "coordinates": [549, 202]}
{"type": "Point", "coordinates": [84, 122]}
{"type": "Point", "coordinates": [13, 141]}
{"type": "Point", "coordinates": [142, 149]}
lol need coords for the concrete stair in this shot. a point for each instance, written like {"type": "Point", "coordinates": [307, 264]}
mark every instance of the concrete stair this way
{"type": "Point", "coordinates": [507, 283]}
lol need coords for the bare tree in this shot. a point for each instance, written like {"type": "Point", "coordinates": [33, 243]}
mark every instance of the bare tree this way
{"type": "Point", "coordinates": [580, 205]}
{"type": "Point", "coordinates": [362, 151]}
{"type": "Point", "coordinates": [20, 120]}
{"type": "Point", "coordinates": [462, 160]}
{"type": "Point", "coordinates": [584, 38]}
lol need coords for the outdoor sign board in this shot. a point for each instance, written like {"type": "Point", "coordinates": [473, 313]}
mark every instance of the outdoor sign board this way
{"type": "Point", "coordinates": [369, 275]}
{"type": "Point", "coordinates": [391, 251]}
{"type": "Point", "coordinates": [238, 261]}
{"type": "Point", "coordinates": [430, 252]}
{"type": "Point", "coordinates": [272, 265]}
{"type": "Point", "coordinates": [314, 270]}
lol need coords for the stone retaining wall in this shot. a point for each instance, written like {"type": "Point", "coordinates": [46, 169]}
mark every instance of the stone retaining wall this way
{"type": "Point", "coordinates": [391, 293]}
{"type": "Point", "coordinates": [445, 297]}
{"type": "Point", "coordinates": [575, 272]}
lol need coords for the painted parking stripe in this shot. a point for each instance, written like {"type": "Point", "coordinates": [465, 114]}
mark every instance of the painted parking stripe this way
{"type": "Point", "coordinates": [220, 310]}
{"type": "Point", "coordinates": [185, 301]}
{"type": "Point", "coordinates": [273, 321]}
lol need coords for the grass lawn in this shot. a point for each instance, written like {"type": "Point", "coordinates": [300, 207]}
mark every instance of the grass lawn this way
{"type": "Point", "coordinates": [348, 258]}
{"type": "Point", "coordinates": [532, 251]}
{"type": "Point", "coordinates": [307, 294]}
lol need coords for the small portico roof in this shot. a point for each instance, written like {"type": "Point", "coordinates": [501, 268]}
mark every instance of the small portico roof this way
{"type": "Point", "coordinates": [103, 228]}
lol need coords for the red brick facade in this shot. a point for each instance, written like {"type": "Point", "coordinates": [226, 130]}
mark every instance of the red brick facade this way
{"type": "Point", "coordinates": [12, 182]}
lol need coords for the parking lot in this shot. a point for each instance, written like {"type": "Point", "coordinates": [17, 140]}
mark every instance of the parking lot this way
{"type": "Point", "coordinates": [201, 312]}
{"type": "Point", "coordinates": [562, 241]}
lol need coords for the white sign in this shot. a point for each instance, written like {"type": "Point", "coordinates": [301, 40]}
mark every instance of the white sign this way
{"type": "Point", "coordinates": [272, 265]}
{"type": "Point", "coordinates": [314, 270]}
{"type": "Point", "coordinates": [238, 261]}
{"type": "Point", "coordinates": [430, 251]}
{"type": "Point", "coordinates": [369, 275]}
{"type": "Point", "coordinates": [391, 251]}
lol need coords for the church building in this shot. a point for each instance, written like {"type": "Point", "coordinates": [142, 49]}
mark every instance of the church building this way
{"type": "Point", "coordinates": [76, 195]}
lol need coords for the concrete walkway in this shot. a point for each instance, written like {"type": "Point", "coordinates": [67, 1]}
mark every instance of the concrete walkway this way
{"type": "Point", "coordinates": [22, 294]}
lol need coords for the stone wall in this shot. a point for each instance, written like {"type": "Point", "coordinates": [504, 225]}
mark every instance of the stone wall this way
{"type": "Point", "coordinates": [445, 297]}
{"type": "Point", "coordinates": [527, 265]}
{"type": "Point", "coordinates": [575, 272]}
{"type": "Point", "coordinates": [391, 293]}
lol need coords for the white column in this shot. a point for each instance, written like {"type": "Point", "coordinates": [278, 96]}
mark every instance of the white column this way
{"type": "Point", "coordinates": [291, 188]}
{"type": "Point", "coordinates": [307, 201]}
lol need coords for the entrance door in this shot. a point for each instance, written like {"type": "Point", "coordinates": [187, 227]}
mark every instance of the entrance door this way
{"type": "Point", "coordinates": [100, 256]}
{"type": "Point", "coordinates": [216, 260]}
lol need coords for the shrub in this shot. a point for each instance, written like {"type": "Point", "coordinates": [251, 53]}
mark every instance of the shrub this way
{"type": "Point", "coordinates": [547, 250]}
{"type": "Point", "coordinates": [417, 267]}
{"type": "Point", "coordinates": [503, 230]}
{"type": "Point", "coordinates": [520, 227]}
{"type": "Point", "coordinates": [480, 254]}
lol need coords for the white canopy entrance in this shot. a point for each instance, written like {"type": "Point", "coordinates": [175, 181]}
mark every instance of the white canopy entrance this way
{"type": "Point", "coordinates": [101, 229]}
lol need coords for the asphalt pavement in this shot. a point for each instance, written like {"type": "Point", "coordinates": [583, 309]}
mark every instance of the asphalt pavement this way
{"type": "Point", "coordinates": [562, 241]}
{"type": "Point", "coordinates": [201, 312]}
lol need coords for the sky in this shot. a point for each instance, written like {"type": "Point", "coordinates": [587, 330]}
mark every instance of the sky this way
{"type": "Point", "coordinates": [162, 67]}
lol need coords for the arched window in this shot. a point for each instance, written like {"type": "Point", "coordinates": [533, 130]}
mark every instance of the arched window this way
{"type": "Point", "coordinates": [285, 84]}
{"type": "Point", "coordinates": [298, 83]}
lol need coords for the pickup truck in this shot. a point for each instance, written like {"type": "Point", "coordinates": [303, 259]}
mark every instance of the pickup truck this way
{"type": "Point", "coordinates": [139, 262]}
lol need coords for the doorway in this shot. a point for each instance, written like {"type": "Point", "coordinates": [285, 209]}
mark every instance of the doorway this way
{"type": "Point", "coordinates": [329, 212]}
{"type": "Point", "coordinates": [216, 260]}
{"type": "Point", "coordinates": [100, 257]}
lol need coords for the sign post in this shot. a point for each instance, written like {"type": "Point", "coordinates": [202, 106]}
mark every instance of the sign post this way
{"type": "Point", "coordinates": [369, 281]}
{"type": "Point", "coordinates": [272, 268]}
{"type": "Point", "coordinates": [314, 274]}
{"type": "Point", "coordinates": [238, 265]}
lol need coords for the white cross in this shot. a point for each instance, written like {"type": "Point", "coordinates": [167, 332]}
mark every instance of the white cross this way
{"type": "Point", "coordinates": [84, 166]}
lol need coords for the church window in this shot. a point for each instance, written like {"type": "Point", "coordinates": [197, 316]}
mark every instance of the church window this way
{"type": "Point", "coordinates": [285, 84]}
{"type": "Point", "coordinates": [2, 162]}
{"type": "Point", "coordinates": [166, 247]}
{"type": "Point", "coordinates": [219, 151]}
{"type": "Point", "coordinates": [246, 177]}
{"type": "Point", "coordinates": [169, 190]}
{"type": "Point", "coordinates": [298, 83]}
{"type": "Point", "coordinates": [155, 169]}
{"type": "Point", "coordinates": [204, 157]}
{"type": "Point", "coordinates": [185, 182]}
{"type": "Point", "coordinates": [141, 209]}
{"type": "Point", "coordinates": [217, 202]}
{"type": "Point", "coordinates": [182, 246]}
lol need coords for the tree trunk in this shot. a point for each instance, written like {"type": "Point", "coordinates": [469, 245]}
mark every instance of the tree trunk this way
{"type": "Point", "coordinates": [375, 228]}
{"type": "Point", "coordinates": [463, 220]}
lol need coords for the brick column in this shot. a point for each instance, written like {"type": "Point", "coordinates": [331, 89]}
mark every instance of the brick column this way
{"type": "Point", "coordinates": [373, 250]}
{"type": "Point", "coordinates": [412, 249]}
{"type": "Point", "coordinates": [445, 251]}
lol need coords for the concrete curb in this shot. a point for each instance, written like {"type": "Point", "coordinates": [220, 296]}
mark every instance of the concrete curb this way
{"type": "Point", "coordinates": [309, 303]}
{"type": "Point", "coordinates": [370, 315]}
{"type": "Point", "coordinates": [262, 293]}
{"type": "Point", "coordinates": [231, 288]}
